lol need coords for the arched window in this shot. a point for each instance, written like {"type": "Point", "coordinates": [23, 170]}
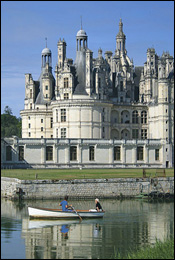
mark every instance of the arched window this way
{"type": "Point", "coordinates": [125, 134]}
{"type": "Point", "coordinates": [125, 117]}
{"type": "Point", "coordinates": [135, 117]}
{"type": "Point", "coordinates": [144, 117]}
{"type": "Point", "coordinates": [114, 134]}
{"type": "Point", "coordinates": [114, 117]}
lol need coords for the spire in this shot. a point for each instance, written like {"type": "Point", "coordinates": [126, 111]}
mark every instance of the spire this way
{"type": "Point", "coordinates": [120, 38]}
{"type": "Point", "coordinates": [120, 26]}
{"type": "Point", "coordinates": [81, 22]}
{"type": "Point", "coordinates": [46, 41]}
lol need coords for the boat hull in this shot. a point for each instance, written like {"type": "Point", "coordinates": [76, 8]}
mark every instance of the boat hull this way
{"type": "Point", "coordinates": [45, 213]}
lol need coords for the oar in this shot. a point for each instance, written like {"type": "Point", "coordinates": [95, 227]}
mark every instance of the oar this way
{"type": "Point", "coordinates": [76, 213]}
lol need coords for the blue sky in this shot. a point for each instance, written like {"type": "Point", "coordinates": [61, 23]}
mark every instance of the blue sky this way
{"type": "Point", "coordinates": [25, 24]}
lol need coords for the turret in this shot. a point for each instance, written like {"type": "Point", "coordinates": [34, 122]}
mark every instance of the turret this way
{"type": "Point", "coordinates": [120, 39]}
{"type": "Point", "coordinates": [61, 52]}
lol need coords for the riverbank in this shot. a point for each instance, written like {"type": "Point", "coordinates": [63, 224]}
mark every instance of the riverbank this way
{"type": "Point", "coordinates": [83, 188]}
{"type": "Point", "coordinates": [161, 250]}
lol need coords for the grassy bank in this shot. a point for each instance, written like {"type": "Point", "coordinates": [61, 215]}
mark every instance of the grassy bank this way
{"type": "Point", "coordinates": [60, 174]}
{"type": "Point", "coordinates": [161, 250]}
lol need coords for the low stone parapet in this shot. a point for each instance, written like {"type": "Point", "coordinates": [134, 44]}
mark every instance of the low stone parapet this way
{"type": "Point", "coordinates": [83, 188]}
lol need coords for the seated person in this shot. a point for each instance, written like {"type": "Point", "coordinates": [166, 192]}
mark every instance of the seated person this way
{"type": "Point", "coordinates": [98, 205]}
{"type": "Point", "coordinates": [64, 204]}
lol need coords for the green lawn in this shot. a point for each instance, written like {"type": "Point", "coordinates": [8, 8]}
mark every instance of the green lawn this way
{"type": "Point", "coordinates": [57, 174]}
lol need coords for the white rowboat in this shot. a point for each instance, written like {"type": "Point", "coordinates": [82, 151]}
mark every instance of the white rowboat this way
{"type": "Point", "coordinates": [46, 213]}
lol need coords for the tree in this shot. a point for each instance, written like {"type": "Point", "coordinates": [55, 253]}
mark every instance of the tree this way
{"type": "Point", "coordinates": [10, 125]}
{"type": "Point", "coordinates": [8, 110]}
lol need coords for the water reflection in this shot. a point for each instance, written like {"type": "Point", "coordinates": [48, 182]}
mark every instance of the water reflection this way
{"type": "Point", "coordinates": [126, 225]}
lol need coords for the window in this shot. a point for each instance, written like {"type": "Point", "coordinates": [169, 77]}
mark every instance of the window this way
{"type": "Point", "coordinates": [49, 153]}
{"type": "Point", "coordinates": [8, 153]}
{"type": "Point", "coordinates": [41, 120]}
{"type": "Point", "coordinates": [51, 122]}
{"type": "Point", "coordinates": [30, 105]}
{"type": "Point", "coordinates": [21, 153]}
{"type": "Point", "coordinates": [140, 153]}
{"type": "Point", "coordinates": [73, 153]}
{"type": "Point", "coordinates": [56, 115]}
{"type": "Point", "coordinates": [135, 133]}
{"type": "Point", "coordinates": [30, 93]}
{"type": "Point", "coordinates": [66, 82]}
{"type": "Point", "coordinates": [63, 115]}
{"type": "Point", "coordinates": [29, 117]}
{"type": "Point", "coordinates": [135, 117]}
{"type": "Point", "coordinates": [46, 95]}
{"type": "Point", "coordinates": [121, 99]}
{"type": "Point", "coordinates": [117, 153]}
{"type": "Point", "coordinates": [143, 117]}
{"type": "Point", "coordinates": [121, 85]}
{"type": "Point", "coordinates": [157, 154]}
{"type": "Point", "coordinates": [63, 132]}
{"type": "Point", "coordinates": [29, 134]}
{"type": "Point", "coordinates": [41, 129]}
{"type": "Point", "coordinates": [99, 82]}
{"type": "Point", "coordinates": [46, 87]}
{"type": "Point", "coordinates": [57, 133]}
{"type": "Point", "coordinates": [91, 153]}
{"type": "Point", "coordinates": [29, 125]}
{"type": "Point", "coordinates": [66, 95]}
{"type": "Point", "coordinates": [143, 134]}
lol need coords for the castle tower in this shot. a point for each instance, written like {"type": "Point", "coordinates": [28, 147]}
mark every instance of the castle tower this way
{"type": "Point", "coordinates": [46, 59]}
{"type": "Point", "coordinates": [61, 52]}
{"type": "Point", "coordinates": [120, 38]}
{"type": "Point", "coordinates": [80, 62]}
{"type": "Point", "coordinates": [46, 79]}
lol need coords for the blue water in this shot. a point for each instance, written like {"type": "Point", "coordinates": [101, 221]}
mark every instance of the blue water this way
{"type": "Point", "coordinates": [127, 225]}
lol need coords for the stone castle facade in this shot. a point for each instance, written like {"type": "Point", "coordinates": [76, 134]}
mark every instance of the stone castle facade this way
{"type": "Point", "coordinates": [99, 111]}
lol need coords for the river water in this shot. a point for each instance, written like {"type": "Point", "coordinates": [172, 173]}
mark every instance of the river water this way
{"type": "Point", "coordinates": [126, 226]}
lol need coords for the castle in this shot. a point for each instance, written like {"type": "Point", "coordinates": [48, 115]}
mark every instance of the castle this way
{"type": "Point", "coordinates": [97, 112]}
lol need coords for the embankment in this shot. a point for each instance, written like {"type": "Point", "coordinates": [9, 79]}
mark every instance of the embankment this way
{"type": "Point", "coordinates": [83, 188]}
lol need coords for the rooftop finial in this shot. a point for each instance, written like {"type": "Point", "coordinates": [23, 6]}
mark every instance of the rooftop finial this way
{"type": "Point", "coordinates": [46, 41]}
{"type": "Point", "coordinates": [81, 22]}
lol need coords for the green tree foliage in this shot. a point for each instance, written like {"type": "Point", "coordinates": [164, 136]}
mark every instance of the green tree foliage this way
{"type": "Point", "coordinates": [10, 125]}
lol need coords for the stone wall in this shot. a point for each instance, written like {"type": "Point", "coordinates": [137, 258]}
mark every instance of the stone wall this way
{"type": "Point", "coordinates": [85, 188]}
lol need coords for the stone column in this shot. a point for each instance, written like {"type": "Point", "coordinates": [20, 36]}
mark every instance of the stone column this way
{"type": "Point", "coordinates": [79, 153]}
{"type": "Point", "coordinates": [55, 153]}
{"type": "Point", "coordinates": [146, 154]}
{"type": "Point", "coordinates": [134, 154]}
{"type": "Point", "coordinates": [67, 154]}
{"type": "Point", "coordinates": [91, 123]}
{"type": "Point", "coordinates": [123, 153]}
{"type": "Point", "coordinates": [43, 154]}
{"type": "Point", "coordinates": [111, 154]}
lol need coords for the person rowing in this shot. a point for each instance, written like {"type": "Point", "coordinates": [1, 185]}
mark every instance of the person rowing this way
{"type": "Point", "coordinates": [64, 204]}
{"type": "Point", "coordinates": [66, 207]}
